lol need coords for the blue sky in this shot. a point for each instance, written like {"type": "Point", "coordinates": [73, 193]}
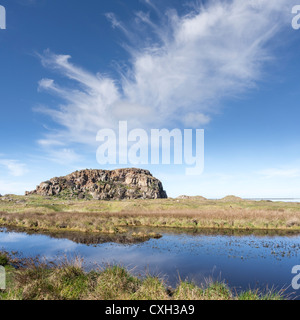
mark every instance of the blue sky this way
{"type": "Point", "coordinates": [70, 68]}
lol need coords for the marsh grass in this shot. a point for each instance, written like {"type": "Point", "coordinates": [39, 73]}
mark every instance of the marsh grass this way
{"type": "Point", "coordinates": [67, 280]}
{"type": "Point", "coordinates": [114, 217]}
{"type": "Point", "coordinates": [3, 259]}
{"type": "Point", "coordinates": [268, 294]}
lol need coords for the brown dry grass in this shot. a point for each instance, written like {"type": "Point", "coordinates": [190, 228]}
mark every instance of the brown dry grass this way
{"type": "Point", "coordinates": [115, 216]}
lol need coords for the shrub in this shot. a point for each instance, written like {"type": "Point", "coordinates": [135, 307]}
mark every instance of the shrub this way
{"type": "Point", "coordinates": [3, 259]}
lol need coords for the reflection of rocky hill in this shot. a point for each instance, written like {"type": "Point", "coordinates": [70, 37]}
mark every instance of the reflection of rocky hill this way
{"type": "Point", "coordinates": [93, 239]}
{"type": "Point", "coordinates": [104, 185]}
{"type": "Point", "coordinates": [85, 238]}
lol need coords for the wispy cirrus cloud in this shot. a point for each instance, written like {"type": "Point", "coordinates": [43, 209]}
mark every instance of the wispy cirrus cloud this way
{"type": "Point", "coordinates": [179, 71]}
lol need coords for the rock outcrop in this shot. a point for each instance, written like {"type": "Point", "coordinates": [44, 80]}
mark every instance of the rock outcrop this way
{"type": "Point", "coordinates": [104, 185]}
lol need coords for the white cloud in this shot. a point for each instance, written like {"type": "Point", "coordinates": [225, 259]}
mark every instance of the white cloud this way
{"type": "Point", "coordinates": [14, 167]}
{"type": "Point", "coordinates": [179, 77]}
{"type": "Point", "coordinates": [48, 142]}
{"type": "Point", "coordinates": [195, 120]}
{"type": "Point", "coordinates": [280, 173]}
{"type": "Point", "coordinates": [63, 156]}
{"type": "Point", "coordinates": [8, 186]}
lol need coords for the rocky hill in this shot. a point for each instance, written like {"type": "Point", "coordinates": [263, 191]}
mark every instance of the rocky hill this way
{"type": "Point", "coordinates": [104, 185]}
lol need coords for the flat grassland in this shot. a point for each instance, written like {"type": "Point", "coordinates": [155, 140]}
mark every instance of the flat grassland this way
{"type": "Point", "coordinates": [108, 217]}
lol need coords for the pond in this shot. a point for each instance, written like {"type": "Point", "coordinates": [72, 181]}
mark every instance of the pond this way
{"type": "Point", "coordinates": [243, 261]}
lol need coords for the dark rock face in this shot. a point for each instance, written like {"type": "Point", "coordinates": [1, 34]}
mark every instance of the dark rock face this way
{"type": "Point", "coordinates": [104, 185]}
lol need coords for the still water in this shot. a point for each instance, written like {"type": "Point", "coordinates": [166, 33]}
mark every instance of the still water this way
{"type": "Point", "coordinates": [242, 261]}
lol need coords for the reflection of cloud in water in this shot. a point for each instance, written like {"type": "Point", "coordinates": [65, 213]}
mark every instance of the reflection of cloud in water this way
{"type": "Point", "coordinates": [126, 255]}
{"type": "Point", "coordinates": [11, 237]}
{"type": "Point", "coordinates": [241, 260]}
{"type": "Point", "coordinates": [35, 244]}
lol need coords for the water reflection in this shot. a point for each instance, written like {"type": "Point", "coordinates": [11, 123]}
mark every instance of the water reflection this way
{"type": "Point", "coordinates": [242, 260]}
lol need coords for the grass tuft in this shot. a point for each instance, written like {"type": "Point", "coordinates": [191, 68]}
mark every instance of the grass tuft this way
{"type": "Point", "coordinates": [67, 280]}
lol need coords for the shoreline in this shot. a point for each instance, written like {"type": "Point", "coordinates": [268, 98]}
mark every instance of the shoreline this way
{"type": "Point", "coordinates": [168, 229]}
{"type": "Point", "coordinates": [142, 234]}
{"type": "Point", "coordinates": [33, 279]}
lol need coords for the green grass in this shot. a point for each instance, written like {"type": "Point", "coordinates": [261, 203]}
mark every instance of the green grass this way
{"type": "Point", "coordinates": [66, 280]}
{"type": "Point", "coordinates": [3, 259]}
{"type": "Point", "coordinates": [257, 295]}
